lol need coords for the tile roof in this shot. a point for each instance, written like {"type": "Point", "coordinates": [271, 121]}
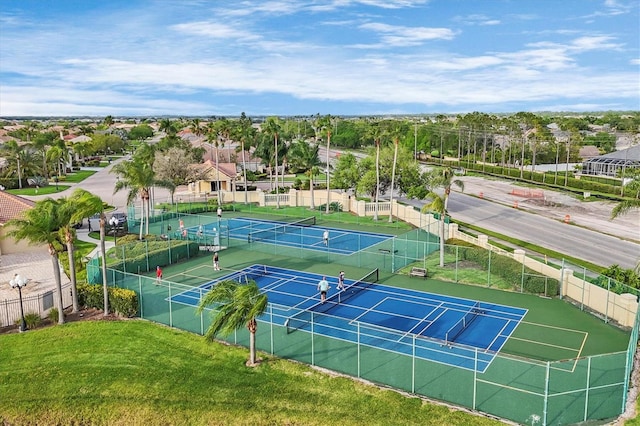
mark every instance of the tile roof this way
{"type": "Point", "coordinates": [227, 169]}
{"type": "Point", "coordinates": [12, 206]}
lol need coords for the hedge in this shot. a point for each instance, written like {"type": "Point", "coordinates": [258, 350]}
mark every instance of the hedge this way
{"type": "Point", "coordinates": [508, 269]}
{"type": "Point", "coordinates": [122, 301]}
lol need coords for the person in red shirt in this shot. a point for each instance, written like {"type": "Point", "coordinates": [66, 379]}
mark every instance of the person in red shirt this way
{"type": "Point", "coordinates": [158, 274]}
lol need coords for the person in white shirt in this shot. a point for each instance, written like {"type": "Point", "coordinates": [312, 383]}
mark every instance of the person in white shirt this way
{"type": "Point", "coordinates": [323, 286]}
{"type": "Point", "coordinates": [325, 237]}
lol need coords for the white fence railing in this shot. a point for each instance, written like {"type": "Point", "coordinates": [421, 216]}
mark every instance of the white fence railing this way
{"type": "Point", "coordinates": [39, 304]}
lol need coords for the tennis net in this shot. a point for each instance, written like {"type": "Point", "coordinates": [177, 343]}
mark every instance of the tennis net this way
{"type": "Point", "coordinates": [303, 318]}
{"type": "Point", "coordinates": [462, 323]}
{"type": "Point", "coordinates": [272, 233]}
{"type": "Point", "coordinates": [252, 273]}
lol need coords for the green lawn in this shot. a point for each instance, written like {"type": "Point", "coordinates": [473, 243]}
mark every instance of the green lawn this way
{"type": "Point", "coordinates": [136, 372]}
{"type": "Point", "coordinates": [46, 190]}
{"type": "Point", "coordinates": [79, 176]}
{"type": "Point", "coordinates": [52, 188]}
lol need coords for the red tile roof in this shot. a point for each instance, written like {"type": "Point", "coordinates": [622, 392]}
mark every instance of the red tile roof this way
{"type": "Point", "coordinates": [12, 206]}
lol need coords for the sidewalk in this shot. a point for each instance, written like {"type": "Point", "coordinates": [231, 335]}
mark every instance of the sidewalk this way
{"type": "Point", "coordinates": [83, 235]}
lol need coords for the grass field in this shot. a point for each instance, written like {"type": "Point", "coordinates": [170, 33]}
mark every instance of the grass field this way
{"type": "Point", "coordinates": [138, 373]}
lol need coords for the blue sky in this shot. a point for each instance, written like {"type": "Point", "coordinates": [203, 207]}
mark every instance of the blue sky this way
{"type": "Point", "coordinates": [339, 57]}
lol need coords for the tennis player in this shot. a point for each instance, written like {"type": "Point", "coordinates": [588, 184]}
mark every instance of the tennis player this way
{"type": "Point", "coordinates": [325, 237]}
{"type": "Point", "coordinates": [158, 274]}
{"type": "Point", "coordinates": [341, 280]}
{"type": "Point", "coordinates": [323, 286]}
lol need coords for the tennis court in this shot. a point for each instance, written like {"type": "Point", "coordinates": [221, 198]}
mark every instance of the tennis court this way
{"type": "Point", "coordinates": [302, 234]}
{"type": "Point", "coordinates": [449, 330]}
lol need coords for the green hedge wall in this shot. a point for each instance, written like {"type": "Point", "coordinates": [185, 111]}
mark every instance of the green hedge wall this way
{"type": "Point", "coordinates": [122, 301]}
{"type": "Point", "coordinates": [508, 269]}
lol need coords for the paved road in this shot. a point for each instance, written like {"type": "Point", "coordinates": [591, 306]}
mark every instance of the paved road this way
{"type": "Point", "coordinates": [586, 244]}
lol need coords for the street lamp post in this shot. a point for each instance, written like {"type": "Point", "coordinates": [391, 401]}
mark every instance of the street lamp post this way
{"type": "Point", "coordinates": [114, 222]}
{"type": "Point", "coordinates": [18, 282]}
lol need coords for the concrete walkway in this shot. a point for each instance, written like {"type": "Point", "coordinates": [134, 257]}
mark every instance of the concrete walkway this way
{"type": "Point", "coordinates": [83, 235]}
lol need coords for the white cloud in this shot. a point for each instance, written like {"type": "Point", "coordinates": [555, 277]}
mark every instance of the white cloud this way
{"type": "Point", "coordinates": [213, 30]}
{"type": "Point", "coordinates": [393, 35]}
{"type": "Point", "coordinates": [476, 19]}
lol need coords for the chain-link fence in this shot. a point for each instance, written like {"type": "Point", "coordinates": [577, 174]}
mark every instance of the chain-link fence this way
{"type": "Point", "coordinates": [526, 391]}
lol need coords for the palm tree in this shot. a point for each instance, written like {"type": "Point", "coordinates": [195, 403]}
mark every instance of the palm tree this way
{"type": "Point", "coordinates": [138, 177]}
{"type": "Point", "coordinates": [438, 204]}
{"type": "Point", "coordinates": [395, 132]}
{"type": "Point", "coordinates": [213, 139]}
{"type": "Point", "coordinates": [246, 134]}
{"type": "Point", "coordinates": [323, 125]}
{"type": "Point", "coordinates": [57, 155]}
{"type": "Point", "coordinates": [375, 132]}
{"type": "Point", "coordinates": [624, 207]}
{"type": "Point", "coordinates": [633, 186]}
{"type": "Point", "coordinates": [305, 157]}
{"type": "Point", "coordinates": [14, 152]}
{"type": "Point", "coordinates": [41, 225]}
{"type": "Point", "coordinates": [85, 204]}
{"type": "Point", "coordinates": [69, 217]}
{"type": "Point", "coordinates": [195, 127]}
{"type": "Point", "coordinates": [235, 306]}
{"type": "Point", "coordinates": [272, 127]}
{"type": "Point", "coordinates": [168, 127]}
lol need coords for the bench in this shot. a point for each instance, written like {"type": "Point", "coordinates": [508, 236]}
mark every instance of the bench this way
{"type": "Point", "coordinates": [418, 272]}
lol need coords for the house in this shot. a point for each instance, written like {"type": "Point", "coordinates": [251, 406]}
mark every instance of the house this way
{"type": "Point", "coordinates": [225, 174]}
{"type": "Point", "coordinates": [610, 164]}
{"type": "Point", "coordinates": [11, 207]}
{"type": "Point", "coordinates": [588, 152]}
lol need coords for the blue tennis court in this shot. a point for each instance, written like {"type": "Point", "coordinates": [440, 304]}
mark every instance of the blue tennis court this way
{"type": "Point", "coordinates": [302, 234]}
{"type": "Point", "coordinates": [449, 330]}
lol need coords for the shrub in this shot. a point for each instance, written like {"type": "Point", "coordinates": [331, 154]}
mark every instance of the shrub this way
{"type": "Point", "coordinates": [333, 206]}
{"type": "Point", "coordinates": [508, 269]}
{"type": "Point", "coordinates": [122, 301]}
{"type": "Point", "coordinates": [53, 315]}
{"type": "Point", "coordinates": [32, 319]}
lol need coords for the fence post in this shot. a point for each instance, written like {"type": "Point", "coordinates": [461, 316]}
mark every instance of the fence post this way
{"type": "Point", "coordinates": [546, 394]}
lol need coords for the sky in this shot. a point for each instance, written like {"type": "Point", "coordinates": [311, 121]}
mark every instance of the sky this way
{"type": "Point", "coordinates": [338, 57]}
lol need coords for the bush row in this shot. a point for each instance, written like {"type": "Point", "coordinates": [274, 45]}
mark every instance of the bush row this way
{"type": "Point", "coordinates": [508, 269]}
{"type": "Point", "coordinates": [122, 301]}
{"type": "Point", "coordinates": [146, 255]}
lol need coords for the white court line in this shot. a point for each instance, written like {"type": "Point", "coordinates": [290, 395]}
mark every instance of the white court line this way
{"type": "Point", "coordinates": [499, 335]}
{"type": "Point", "coordinates": [424, 318]}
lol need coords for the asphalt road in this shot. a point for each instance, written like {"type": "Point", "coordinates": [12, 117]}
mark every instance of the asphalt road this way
{"type": "Point", "coordinates": [575, 241]}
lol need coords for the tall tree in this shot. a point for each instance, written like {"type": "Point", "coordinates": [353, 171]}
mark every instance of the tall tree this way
{"type": "Point", "coordinates": [245, 133]}
{"type": "Point", "coordinates": [375, 132]}
{"type": "Point", "coordinates": [272, 128]}
{"type": "Point", "coordinates": [324, 127]}
{"type": "Point", "coordinates": [40, 225]}
{"type": "Point", "coordinates": [304, 156]}
{"type": "Point", "coordinates": [444, 179]}
{"type": "Point", "coordinates": [234, 305]}
{"type": "Point", "coordinates": [138, 178]}
{"type": "Point", "coordinates": [346, 174]}
{"type": "Point", "coordinates": [395, 131]}
{"type": "Point", "coordinates": [176, 167]}
{"type": "Point", "coordinates": [633, 188]}
{"type": "Point", "coordinates": [87, 205]}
